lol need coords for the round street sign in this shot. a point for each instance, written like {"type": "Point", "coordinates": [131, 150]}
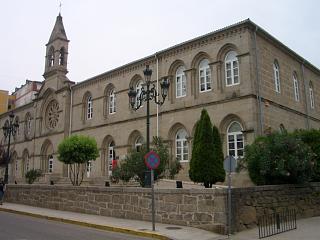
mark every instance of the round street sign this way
{"type": "Point", "coordinates": [152, 160]}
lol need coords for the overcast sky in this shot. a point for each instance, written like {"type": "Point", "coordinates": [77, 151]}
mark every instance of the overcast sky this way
{"type": "Point", "coordinates": [106, 34]}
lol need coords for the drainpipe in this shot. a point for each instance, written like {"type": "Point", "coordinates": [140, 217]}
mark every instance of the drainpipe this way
{"type": "Point", "coordinates": [70, 111]}
{"type": "Point", "coordinates": [157, 60]}
{"type": "Point", "coordinates": [259, 98]}
{"type": "Point", "coordinates": [305, 96]}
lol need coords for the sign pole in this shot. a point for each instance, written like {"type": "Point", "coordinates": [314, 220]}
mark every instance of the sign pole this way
{"type": "Point", "coordinates": [152, 201]}
{"type": "Point", "coordinates": [229, 202]}
{"type": "Point", "coordinates": [152, 161]}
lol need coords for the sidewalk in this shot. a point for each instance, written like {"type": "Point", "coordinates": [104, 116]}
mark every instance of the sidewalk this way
{"type": "Point", "coordinates": [307, 229]}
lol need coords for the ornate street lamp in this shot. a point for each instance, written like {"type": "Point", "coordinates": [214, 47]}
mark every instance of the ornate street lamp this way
{"type": "Point", "coordinates": [146, 96]}
{"type": "Point", "coordinates": [9, 128]}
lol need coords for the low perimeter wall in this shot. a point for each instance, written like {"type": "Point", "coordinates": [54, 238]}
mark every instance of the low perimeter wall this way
{"type": "Point", "coordinates": [202, 208]}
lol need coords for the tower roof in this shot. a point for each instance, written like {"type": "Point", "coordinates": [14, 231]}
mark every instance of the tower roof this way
{"type": "Point", "coordinates": [58, 31]}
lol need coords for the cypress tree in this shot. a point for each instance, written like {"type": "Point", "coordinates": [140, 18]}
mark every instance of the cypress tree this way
{"type": "Point", "coordinates": [206, 165]}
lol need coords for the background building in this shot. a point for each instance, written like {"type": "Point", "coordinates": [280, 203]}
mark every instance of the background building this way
{"type": "Point", "coordinates": [26, 93]}
{"type": "Point", "coordinates": [7, 101]}
{"type": "Point", "coordinates": [249, 82]}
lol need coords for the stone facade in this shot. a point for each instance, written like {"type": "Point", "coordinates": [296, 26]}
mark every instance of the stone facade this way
{"type": "Point", "coordinates": [250, 100]}
{"type": "Point", "coordinates": [202, 208]}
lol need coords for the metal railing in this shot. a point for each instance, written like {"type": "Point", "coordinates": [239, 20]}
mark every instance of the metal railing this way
{"type": "Point", "coordinates": [278, 222]}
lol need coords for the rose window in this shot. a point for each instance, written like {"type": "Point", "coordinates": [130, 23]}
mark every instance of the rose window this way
{"type": "Point", "coordinates": [52, 114]}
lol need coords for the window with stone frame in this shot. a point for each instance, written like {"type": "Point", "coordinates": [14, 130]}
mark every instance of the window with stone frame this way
{"type": "Point", "coordinates": [205, 83]}
{"type": "Point", "coordinates": [181, 84]}
{"type": "Point", "coordinates": [89, 108]}
{"type": "Point", "coordinates": [50, 164]}
{"type": "Point", "coordinates": [138, 143]}
{"type": "Point", "coordinates": [52, 114]}
{"type": "Point", "coordinates": [28, 125]}
{"type": "Point", "coordinates": [311, 95]}
{"type": "Point", "coordinates": [296, 87]}
{"type": "Point", "coordinates": [111, 157]}
{"type": "Point", "coordinates": [89, 168]}
{"type": "Point", "coordinates": [182, 146]}
{"type": "Point", "coordinates": [276, 76]}
{"type": "Point", "coordinates": [112, 102]}
{"type": "Point", "coordinates": [138, 91]}
{"type": "Point", "coordinates": [232, 69]}
{"type": "Point", "coordinates": [235, 140]}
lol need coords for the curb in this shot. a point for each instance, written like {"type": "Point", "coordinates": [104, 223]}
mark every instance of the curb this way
{"type": "Point", "coordinates": [92, 225]}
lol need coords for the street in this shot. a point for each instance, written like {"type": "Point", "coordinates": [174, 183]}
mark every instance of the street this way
{"type": "Point", "coordinates": [19, 227]}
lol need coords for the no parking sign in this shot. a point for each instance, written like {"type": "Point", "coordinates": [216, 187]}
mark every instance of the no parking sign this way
{"type": "Point", "coordinates": [152, 160]}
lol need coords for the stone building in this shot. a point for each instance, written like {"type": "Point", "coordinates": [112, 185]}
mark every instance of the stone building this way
{"type": "Point", "coordinates": [26, 93]}
{"type": "Point", "coordinates": [248, 81]}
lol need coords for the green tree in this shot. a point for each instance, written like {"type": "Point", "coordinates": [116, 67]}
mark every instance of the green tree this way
{"type": "Point", "coordinates": [278, 159]}
{"type": "Point", "coordinates": [206, 165]}
{"type": "Point", "coordinates": [133, 166]}
{"type": "Point", "coordinates": [76, 151]}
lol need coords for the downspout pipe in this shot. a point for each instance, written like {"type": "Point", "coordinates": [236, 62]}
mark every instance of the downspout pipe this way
{"type": "Point", "coordinates": [157, 63]}
{"type": "Point", "coordinates": [259, 98]}
{"type": "Point", "coordinates": [305, 96]}
{"type": "Point", "coordinates": [70, 111]}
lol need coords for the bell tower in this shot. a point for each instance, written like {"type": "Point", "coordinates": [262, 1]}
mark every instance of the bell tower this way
{"type": "Point", "coordinates": [57, 52]}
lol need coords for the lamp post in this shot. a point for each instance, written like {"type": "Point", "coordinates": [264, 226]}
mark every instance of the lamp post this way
{"type": "Point", "coordinates": [147, 95]}
{"type": "Point", "coordinates": [9, 128]}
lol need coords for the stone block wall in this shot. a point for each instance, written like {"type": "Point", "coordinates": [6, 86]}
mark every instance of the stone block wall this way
{"type": "Point", "coordinates": [201, 208]}
{"type": "Point", "coordinates": [253, 202]}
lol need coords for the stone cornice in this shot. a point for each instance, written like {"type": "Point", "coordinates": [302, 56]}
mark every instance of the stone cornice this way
{"type": "Point", "coordinates": [169, 52]}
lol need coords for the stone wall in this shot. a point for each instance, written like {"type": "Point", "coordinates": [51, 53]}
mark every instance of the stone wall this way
{"type": "Point", "coordinates": [250, 203]}
{"type": "Point", "coordinates": [202, 208]}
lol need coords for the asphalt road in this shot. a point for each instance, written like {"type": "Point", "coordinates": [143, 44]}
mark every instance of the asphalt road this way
{"type": "Point", "coordinates": [19, 227]}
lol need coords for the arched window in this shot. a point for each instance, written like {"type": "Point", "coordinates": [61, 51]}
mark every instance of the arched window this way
{"type": "Point", "coordinates": [296, 88]}
{"type": "Point", "coordinates": [204, 76]}
{"type": "Point", "coordinates": [111, 157]}
{"type": "Point", "coordinates": [89, 168]}
{"type": "Point", "coordinates": [138, 143]}
{"type": "Point", "coordinates": [89, 108]}
{"type": "Point", "coordinates": [182, 149]}
{"type": "Point", "coordinates": [232, 69]}
{"type": "Point", "coordinates": [235, 140]}
{"type": "Point", "coordinates": [50, 164]}
{"type": "Point", "coordinates": [311, 95]}
{"type": "Point", "coordinates": [28, 122]}
{"type": "Point", "coordinates": [138, 90]}
{"type": "Point", "coordinates": [51, 57]}
{"type": "Point", "coordinates": [276, 76]}
{"type": "Point", "coordinates": [112, 102]}
{"type": "Point", "coordinates": [61, 57]}
{"type": "Point", "coordinates": [25, 163]}
{"type": "Point", "coordinates": [181, 85]}
{"type": "Point", "coordinates": [282, 129]}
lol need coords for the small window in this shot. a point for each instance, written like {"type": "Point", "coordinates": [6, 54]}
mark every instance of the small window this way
{"type": "Point", "coordinates": [204, 76]}
{"type": "Point", "coordinates": [61, 57]}
{"type": "Point", "coordinates": [232, 69]}
{"type": "Point", "coordinates": [51, 57]}
{"type": "Point", "coordinates": [182, 148]}
{"type": "Point", "coordinates": [138, 144]}
{"type": "Point", "coordinates": [112, 102]}
{"type": "Point", "coordinates": [181, 87]}
{"type": "Point", "coordinates": [28, 122]}
{"type": "Point", "coordinates": [89, 108]}
{"type": "Point", "coordinates": [50, 164]}
{"type": "Point", "coordinates": [111, 157]}
{"type": "Point", "coordinates": [89, 168]}
{"type": "Point", "coordinates": [276, 75]}
{"type": "Point", "coordinates": [311, 95]}
{"type": "Point", "coordinates": [235, 140]}
{"type": "Point", "coordinates": [138, 90]}
{"type": "Point", "coordinates": [296, 88]}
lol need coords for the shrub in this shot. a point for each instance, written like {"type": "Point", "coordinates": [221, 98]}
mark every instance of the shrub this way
{"type": "Point", "coordinates": [279, 159]}
{"type": "Point", "coordinates": [32, 175]}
